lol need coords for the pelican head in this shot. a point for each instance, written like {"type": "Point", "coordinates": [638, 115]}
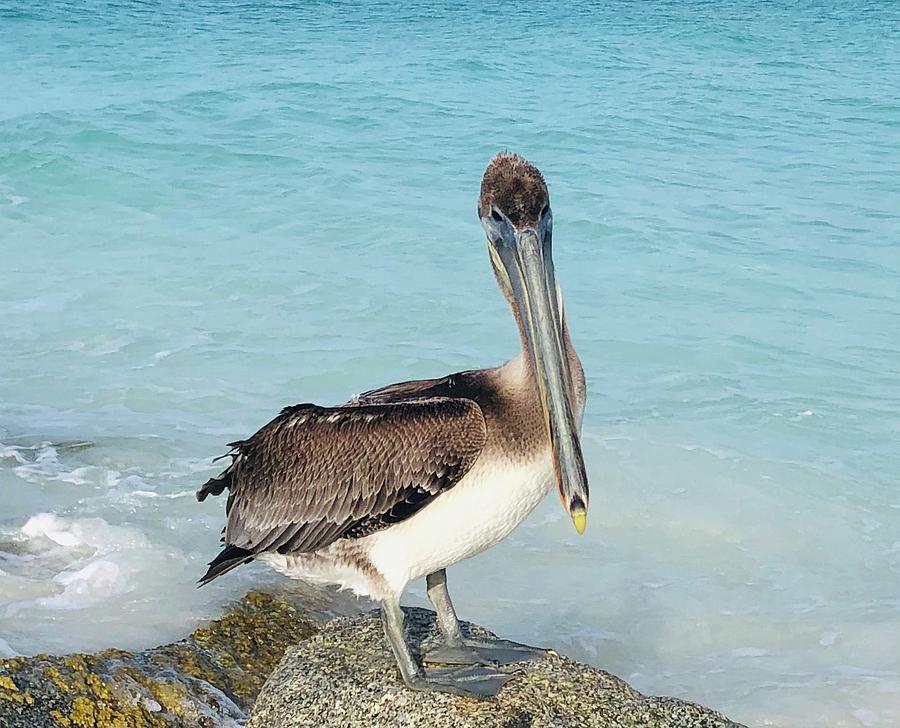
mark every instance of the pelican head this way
{"type": "Point", "coordinates": [514, 207]}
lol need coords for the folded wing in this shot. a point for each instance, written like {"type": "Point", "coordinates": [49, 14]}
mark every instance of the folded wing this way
{"type": "Point", "coordinates": [316, 474]}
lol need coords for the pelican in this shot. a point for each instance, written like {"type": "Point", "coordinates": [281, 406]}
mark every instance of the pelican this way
{"type": "Point", "coordinates": [403, 481]}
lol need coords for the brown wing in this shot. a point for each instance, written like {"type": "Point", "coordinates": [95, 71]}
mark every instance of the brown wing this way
{"type": "Point", "coordinates": [317, 474]}
{"type": "Point", "coordinates": [471, 384]}
{"type": "Point", "coordinates": [406, 391]}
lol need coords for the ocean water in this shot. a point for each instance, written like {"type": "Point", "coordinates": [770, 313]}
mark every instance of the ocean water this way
{"type": "Point", "coordinates": [210, 212]}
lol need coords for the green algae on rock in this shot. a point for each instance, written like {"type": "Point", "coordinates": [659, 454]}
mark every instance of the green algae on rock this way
{"type": "Point", "coordinates": [208, 680]}
{"type": "Point", "coordinates": [346, 677]}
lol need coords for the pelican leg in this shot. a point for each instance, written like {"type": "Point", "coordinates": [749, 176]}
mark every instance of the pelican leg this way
{"type": "Point", "coordinates": [457, 650]}
{"type": "Point", "coordinates": [470, 681]}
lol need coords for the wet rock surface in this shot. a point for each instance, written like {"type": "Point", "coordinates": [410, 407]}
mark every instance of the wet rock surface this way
{"type": "Point", "coordinates": [209, 679]}
{"type": "Point", "coordinates": [345, 676]}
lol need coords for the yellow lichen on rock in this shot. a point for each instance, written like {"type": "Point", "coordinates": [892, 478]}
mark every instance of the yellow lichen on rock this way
{"type": "Point", "coordinates": [10, 692]}
{"type": "Point", "coordinates": [83, 713]}
{"type": "Point", "coordinates": [60, 718]}
{"type": "Point", "coordinates": [86, 713]}
{"type": "Point", "coordinates": [7, 684]}
{"type": "Point", "coordinates": [76, 663]}
{"type": "Point", "coordinates": [169, 695]}
{"type": "Point", "coordinates": [57, 679]}
{"type": "Point", "coordinates": [218, 670]}
{"type": "Point", "coordinates": [97, 687]}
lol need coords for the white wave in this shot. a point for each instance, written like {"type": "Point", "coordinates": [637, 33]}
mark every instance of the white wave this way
{"type": "Point", "coordinates": [13, 452]}
{"type": "Point", "coordinates": [53, 528]}
{"type": "Point", "coordinates": [79, 562]}
{"type": "Point", "coordinates": [169, 496]}
{"type": "Point", "coordinates": [86, 586]}
{"type": "Point", "coordinates": [36, 462]}
{"type": "Point", "coordinates": [41, 463]}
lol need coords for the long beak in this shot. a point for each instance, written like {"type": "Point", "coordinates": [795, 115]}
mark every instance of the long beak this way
{"type": "Point", "coordinates": [532, 286]}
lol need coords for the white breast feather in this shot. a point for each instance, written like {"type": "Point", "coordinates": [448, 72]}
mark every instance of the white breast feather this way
{"type": "Point", "coordinates": [489, 502]}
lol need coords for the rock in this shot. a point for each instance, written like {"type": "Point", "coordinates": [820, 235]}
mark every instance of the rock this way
{"type": "Point", "coordinates": [346, 676]}
{"type": "Point", "coordinates": [209, 679]}
{"type": "Point", "coordinates": [342, 675]}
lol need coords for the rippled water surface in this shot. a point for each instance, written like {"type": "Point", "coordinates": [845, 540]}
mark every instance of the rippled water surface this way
{"type": "Point", "coordinates": [207, 214]}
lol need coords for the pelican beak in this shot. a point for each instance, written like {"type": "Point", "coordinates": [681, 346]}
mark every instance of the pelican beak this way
{"type": "Point", "coordinates": [524, 266]}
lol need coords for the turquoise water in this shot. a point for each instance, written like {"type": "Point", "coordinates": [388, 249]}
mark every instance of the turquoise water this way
{"type": "Point", "coordinates": [207, 214]}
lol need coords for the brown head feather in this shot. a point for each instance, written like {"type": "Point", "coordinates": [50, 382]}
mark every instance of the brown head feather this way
{"type": "Point", "coordinates": [515, 186]}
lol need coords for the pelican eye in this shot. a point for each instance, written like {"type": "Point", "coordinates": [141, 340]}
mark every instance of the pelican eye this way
{"type": "Point", "coordinates": [497, 216]}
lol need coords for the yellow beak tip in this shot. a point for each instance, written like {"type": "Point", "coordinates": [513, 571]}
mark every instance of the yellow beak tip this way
{"type": "Point", "coordinates": [579, 518]}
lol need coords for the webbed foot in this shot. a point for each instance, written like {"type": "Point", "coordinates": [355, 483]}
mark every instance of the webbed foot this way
{"type": "Point", "coordinates": [480, 651]}
{"type": "Point", "coordinates": [470, 681]}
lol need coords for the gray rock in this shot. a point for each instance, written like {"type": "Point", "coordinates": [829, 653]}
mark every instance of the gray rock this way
{"type": "Point", "coordinates": [345, 676]}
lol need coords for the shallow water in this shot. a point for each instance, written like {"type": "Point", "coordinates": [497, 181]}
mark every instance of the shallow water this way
{"type": "Point", "coordinates": [206, 215]}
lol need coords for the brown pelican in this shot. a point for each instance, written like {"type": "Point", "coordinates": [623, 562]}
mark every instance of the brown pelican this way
{"type": "Point", "coordinates": [405, 480]}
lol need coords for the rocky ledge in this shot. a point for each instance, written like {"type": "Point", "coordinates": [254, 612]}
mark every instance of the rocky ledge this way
{"type": "Point", "coordinates": [340, 674]}
{"type": "Point", "coordinates": [345, 676]}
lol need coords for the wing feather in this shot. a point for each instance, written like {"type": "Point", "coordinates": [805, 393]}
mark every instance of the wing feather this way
{"type": "Point", "coordinates": [316, 474]}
